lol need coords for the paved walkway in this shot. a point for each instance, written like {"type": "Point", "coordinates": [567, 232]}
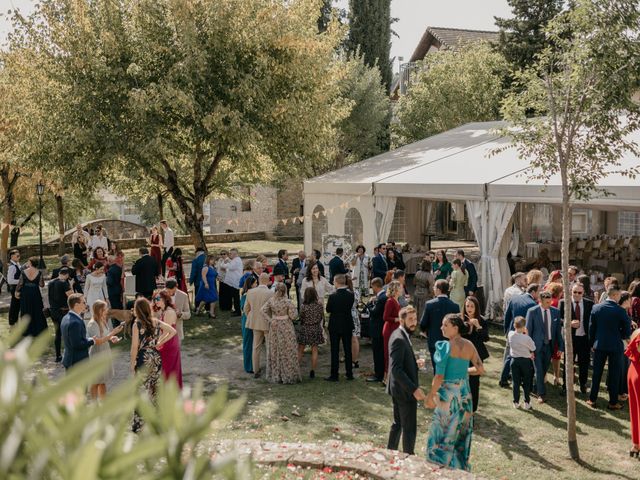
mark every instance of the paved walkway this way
{"type": "Point", "coordinates": [335, 456]}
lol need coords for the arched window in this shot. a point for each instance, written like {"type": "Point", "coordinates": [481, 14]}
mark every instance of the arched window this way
{"type": "Point", "coordinates": [319, 227]}
{"type": "Point", "coordinates": [399, 226]}
{"type": "Point", "coordinates": [353, 226]}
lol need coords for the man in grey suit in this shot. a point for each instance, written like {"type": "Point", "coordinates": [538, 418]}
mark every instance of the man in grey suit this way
{"type": "Point", "coordinates": [256, 320]}
{"type": "Point", "coordinates": [181, 301]}
{"type": "Point", "coordinates": [545, 329]}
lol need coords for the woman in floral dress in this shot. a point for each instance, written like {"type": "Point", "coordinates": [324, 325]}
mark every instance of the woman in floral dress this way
{"type": "Point", "coordinates": [282, 358]}
{"type": "Point", "coordinates": [147, 335]}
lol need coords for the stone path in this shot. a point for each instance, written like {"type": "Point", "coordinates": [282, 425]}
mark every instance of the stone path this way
{"type": "Point", "coordinates": [335, 456]}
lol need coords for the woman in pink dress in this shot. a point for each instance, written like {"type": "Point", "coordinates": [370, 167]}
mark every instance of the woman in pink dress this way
{"type": "Point", "coordinates": [155, 242]}
{"type": "Point", "coordinates": [170, 351]}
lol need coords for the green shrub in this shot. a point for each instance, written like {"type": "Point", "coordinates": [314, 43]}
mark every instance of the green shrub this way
{"type": "Point", "coordinates": [49, 430]}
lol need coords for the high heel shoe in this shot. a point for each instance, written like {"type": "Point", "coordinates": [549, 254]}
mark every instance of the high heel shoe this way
{"type": "Point", "coordinates": [634, 453]}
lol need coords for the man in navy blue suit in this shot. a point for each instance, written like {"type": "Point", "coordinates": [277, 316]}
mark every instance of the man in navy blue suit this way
{"type": "Point", "coordinates": [610, 325]}
{"type": "Point", "coordinates": [518, 306]}
{"type": "Point", "coordinates": [434, 312]}
{"type": "Point", "coordinates": [336, 265]}
{"type": "Point", "coordinates": [74, 333]}
{"type": "Point", "coordinates": [379, 263]}
{"type": "Point", "coordinates": [545, 329]}
{"type": "Point", "coordinates": [472, 283]}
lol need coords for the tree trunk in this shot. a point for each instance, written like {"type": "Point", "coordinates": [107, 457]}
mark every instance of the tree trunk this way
{"type": "Point", "coordinates": [60, 215]}
{"type": "Point", "coordinates": [14, 235]}
{"type": "Point", "coordinates": [572, 438]}
{"type": "Point", "coordinates": [7, 214]}
{"type": "Point", "coordinates": [160, 199]}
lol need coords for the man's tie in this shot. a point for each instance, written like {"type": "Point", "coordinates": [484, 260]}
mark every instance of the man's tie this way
{"type": "Point", "coordinates": [577, 310]}
{"type": "Point", "coordinates": [547, 322]}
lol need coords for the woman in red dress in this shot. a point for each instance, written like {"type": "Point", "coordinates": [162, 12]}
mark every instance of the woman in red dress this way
{"type": "Point", "coordinates": [155, 242]}
{"type": "Point", "coordinates": [175, 268]}
{"type": "Point", "coordinates": [390, 317]}
{"type": "Point", "coordinates": [170, 351]}
{"type": "Point", "coordinates": [633, 383]}
{"type": "Point", "coordinates": [556, 290]}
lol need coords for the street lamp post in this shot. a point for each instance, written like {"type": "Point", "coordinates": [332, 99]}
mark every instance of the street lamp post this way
{"type": "Point", "coordinates": [40, 192]}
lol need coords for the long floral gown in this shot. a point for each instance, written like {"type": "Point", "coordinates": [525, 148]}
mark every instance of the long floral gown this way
{"type": "Point", "coordinates": [148, 358]}
{"type": "Point", "coordinates": [282, 346]}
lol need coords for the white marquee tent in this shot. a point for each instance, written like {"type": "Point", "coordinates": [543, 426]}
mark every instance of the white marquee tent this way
{"type": "Point", "coordinates": [452, 166]}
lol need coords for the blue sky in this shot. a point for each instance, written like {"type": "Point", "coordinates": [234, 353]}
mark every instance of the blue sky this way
{"type": "Point", "coordinates": [414, 16]}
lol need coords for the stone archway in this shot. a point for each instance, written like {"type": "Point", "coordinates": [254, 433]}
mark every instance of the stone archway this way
{"type": "Point", "coordinates": [319, 227]}
{"type": "Point", "coordinates": [354, 226]}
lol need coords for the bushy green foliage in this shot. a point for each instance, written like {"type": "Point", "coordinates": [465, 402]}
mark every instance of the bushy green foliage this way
{"type": "Point", "coordinates": [48, 430]}
{"type": "Point", "coordinates": [522, 36]}
{"type": "Point", "coordinates": [453, 88]}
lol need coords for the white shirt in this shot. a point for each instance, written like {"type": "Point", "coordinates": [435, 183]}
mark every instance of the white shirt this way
{"type": "Point", "coordinates": [168, 238]}
{"type": "Point", "coordinates": [513, 291]}
{"type": "Point", "coordinates": [233, 273]}
{"type": "Point", "coordinates": [11, 274]}
{"type": "Point", "coordinates": [546, 314]}
{"type": "Point", "coordinates": [580, 332]}
{"type": "Point", "coordinates": [99, 241]}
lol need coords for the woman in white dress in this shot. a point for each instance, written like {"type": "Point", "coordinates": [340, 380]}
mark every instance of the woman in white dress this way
{"type": "Point", "coordinates": [316, 280]}
{"type": "Point", "coordinates": [95, 286]}
{"type": "Point", "coordinates": [100, 326]}
{"type": "Point", "coordinates": [360, 275]}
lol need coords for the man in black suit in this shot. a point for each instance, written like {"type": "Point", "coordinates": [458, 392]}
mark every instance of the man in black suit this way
{"type": "Point", "coordinates": [336, 265]}
{"type": "Point", "coordinates": [58, 291]}
{"type": "Point", "coordinates": [297, 265]}
{"type": "Point", "coordinates": [379, 265]}
{"type": "Point", "coordinates": [403, 384]}
{"type": "Point", "coordinates": [434, 312]}
{"type": "Point", "coordinates": [281, 268]}
{"type": "Point", "coordinates": [74, 333]}
{"type": "Point", "coordinates": [377, 322]}
{"type": "Point", "coordinates": [13, 278]}
{"type": "Point", "coordinates": [339, 307]}
{"type": "Point", "coordinates": [580, 316]}
{"type": "Point", "coordinates": [472, 283]}
{"type": "Point", "coordinates": [145, 270]}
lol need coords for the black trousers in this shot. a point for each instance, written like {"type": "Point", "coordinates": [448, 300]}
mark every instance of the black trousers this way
{"type": "Point", "coordinates": [335, 338]}
{"type": "Point", "coordinates": [404, 421]}
{"type": "Point", "coordinates": [581, 357]}
{"type": "Point", "coordinates": [521, 374]}
{"type": "Point", "coordinates": [14, 306]}
{"type": "Point", "coordinates": [235, 298]}
{"type": "Point", "coordinates": [224, 297]}
{"type": "Point", "coordinates": [614, 359]}
{"type": "Point", "coordinates": [474, 386]}
{"type": "Point", "coordinates": [165, 256]}
{"type": "Point", "coordinates": [377, 347]}
{"type": "Point", "coordinates": [56, 318]}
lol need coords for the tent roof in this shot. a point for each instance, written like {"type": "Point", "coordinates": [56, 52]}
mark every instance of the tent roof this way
{"type": "Point", "coordinates": [457, 165]}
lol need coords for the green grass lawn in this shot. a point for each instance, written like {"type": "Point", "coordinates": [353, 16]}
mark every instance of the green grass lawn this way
{"type": "Point", "coordinates": [507, 443]}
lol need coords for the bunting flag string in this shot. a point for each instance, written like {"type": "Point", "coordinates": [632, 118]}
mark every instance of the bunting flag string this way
{"type": "Point", "coordinates": [245, 221]}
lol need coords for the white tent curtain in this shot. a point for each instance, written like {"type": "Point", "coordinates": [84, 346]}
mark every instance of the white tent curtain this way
{"type": "Point", "coordinates": [428, 209]}
{"type": "Point", "coordinates": [385, 210]}
{"type": "Point", "coordinates": [492, 223]}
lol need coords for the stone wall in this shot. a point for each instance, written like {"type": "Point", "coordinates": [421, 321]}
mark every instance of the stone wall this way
{"type": "Point", "coordinates": [116, 230]}
{"type": "Point", "coordinates": [27, 251]}
{"type": "Point", "coordinates": [290, 202]}
{"type": "Point", "coordinates": [253, 210]}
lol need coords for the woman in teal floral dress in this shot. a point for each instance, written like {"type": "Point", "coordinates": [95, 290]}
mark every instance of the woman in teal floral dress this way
{"type": "Point", "coordinates": [449, 440]}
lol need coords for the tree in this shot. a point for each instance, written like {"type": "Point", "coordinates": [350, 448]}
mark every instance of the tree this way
{"type": "Point", "coordinates": [522, 37]}
{"type": "Point", "coordinates": [358, 134]}
{"type": "Point", "coordinates": [193, 96]}
{"type": "Point", "coordinates": [584, 79]}
{"type": "Point", "coordinates": [370, 35]}
{"type": "Point", "coordinates": [454, 87]}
